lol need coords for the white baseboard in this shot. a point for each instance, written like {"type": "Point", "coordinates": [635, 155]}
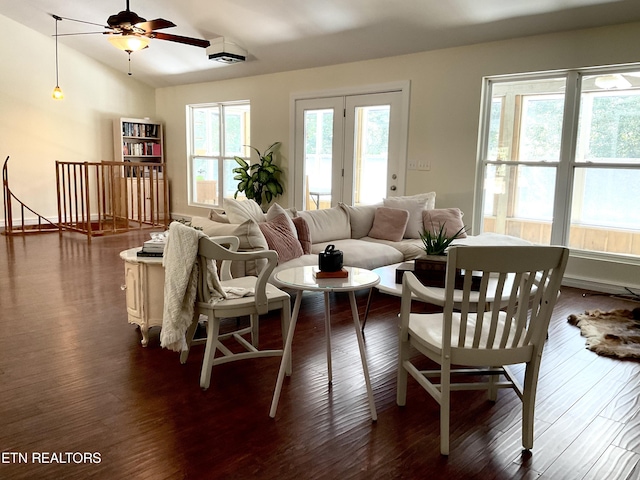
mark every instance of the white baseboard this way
{"type": "Point", "coordinates": [604, 287]}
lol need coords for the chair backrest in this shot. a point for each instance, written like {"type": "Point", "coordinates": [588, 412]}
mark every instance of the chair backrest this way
{"type": "Point", "coordinates": [212, 249]}
{"type": "Point", "coordinates": [527, 282]}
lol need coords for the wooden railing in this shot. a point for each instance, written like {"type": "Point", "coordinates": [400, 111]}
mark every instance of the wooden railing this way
{"type": "Point", "coordinates": [43, 224]}
{"type": "Point", "coordinates": [96, 199]}
{"type": "Point", "coordinates": [111, 197]}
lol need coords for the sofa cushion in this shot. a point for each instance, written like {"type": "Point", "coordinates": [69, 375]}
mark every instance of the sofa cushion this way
{"type": "Point", "coordinates": [360, 218]}
{"type": "Point", "coordinates": [449, 218]}
{"type": "Point", "coordinates": [240, 210]}
{"type": "Point", "coordinates": [280, 238]}
{"type": "Point", "coordinates": [328, 224]}
{"type": "Point", "coordinates": [357, 253]}
{"type": "Point", "coordinates": [389, 224]}
{"type": "Point", "coordinates": [410, 248]}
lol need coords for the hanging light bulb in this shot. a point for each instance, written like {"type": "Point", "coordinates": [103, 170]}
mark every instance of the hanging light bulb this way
{"type": "Point", "coordinates": [57, 92]}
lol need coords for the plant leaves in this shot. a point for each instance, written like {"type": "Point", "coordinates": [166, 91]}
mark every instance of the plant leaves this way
{"type": "Point", "coordinates": [241, 161]}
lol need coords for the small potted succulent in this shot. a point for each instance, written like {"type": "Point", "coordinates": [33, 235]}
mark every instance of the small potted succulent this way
{"type": "Point", "coordinates": [431, 269]}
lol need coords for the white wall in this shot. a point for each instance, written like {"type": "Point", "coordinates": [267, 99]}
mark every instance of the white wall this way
{"type": "Point", "coordinates": [36, 130]}
{"type": "Point", "coordinates": [444, 112]}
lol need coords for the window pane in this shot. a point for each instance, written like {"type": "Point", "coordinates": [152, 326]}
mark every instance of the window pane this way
{"type": "Point", "coordinates": [518, 201]}
{"type": "Point", "coordinates": [229, 187]}
{"type": "Point", "coordinates": [609, 130]}
{"type": "Point", "coordinates": [605, 216]}
{"type": "Point", "coordinates": [526, 120]}
{"type": "Point", "coordinates": [236, 130]}
{"type": "Point", "coordinates": [206, 131]}
{"type": "Point", "coordinates": [205, 181]}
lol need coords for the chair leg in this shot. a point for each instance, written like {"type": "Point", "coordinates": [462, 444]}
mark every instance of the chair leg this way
{"type": "Point", "coordinates": [492, 392]}
{"type": "Point", "coordinates": [403, 355]}
{"type": "Point", "coordinates": [213, 329]}
{"type": "Point", "coordinates": [529, 402]}
{"type": "Point", "coordinates": [255, 327]}
{"type": "Point", "coordinates": [445, 407]}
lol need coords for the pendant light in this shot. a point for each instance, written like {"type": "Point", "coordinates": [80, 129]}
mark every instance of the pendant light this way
{"type": "Point", "coordinates": [57, 92]}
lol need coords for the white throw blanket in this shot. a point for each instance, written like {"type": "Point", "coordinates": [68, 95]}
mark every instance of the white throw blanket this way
{"type": "Point", "coordinates": [180, 284]}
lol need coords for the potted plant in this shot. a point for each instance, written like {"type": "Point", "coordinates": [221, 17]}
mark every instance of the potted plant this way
{"type": "Point", "coordinates": [259, 181]}
{"type": "Point", "coordinates": [431, 269]}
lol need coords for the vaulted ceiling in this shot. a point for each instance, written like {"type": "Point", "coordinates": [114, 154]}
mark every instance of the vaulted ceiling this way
{"type": "Point", "coordinates": [282, 35]}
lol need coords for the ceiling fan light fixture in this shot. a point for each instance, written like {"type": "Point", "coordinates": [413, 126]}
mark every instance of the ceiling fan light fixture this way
{"type": "Point", "coordinates": [129, 43]}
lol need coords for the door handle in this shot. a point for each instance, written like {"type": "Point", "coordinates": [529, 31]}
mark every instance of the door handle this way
{"type": "Point", "coordinates": [392, 188]}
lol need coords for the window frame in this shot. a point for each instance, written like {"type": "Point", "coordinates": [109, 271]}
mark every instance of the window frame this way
{"type": "Point", "coordinates": [567, 163]}
{"type": "Point", "coordinates": [222, 154]}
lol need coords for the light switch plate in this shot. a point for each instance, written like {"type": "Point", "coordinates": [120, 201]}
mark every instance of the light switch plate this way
{"type": "Point", "coordinates": [424, 165]}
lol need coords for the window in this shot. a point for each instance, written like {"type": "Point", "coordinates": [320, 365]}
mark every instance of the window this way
{"type": "Point", "coordinates": [218, 132]}
{"type": "Point", "coordinates": [560, 159]}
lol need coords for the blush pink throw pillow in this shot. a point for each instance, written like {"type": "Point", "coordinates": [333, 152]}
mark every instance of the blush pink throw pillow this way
{"type": "Point", "coordinates": [389, 224]}
{"type": "Point", "coordinates": [277, 232]}
{"type": "Point", "coordinates": [451, 218]}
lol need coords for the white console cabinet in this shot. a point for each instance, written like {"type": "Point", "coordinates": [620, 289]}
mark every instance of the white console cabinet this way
{"type": "Point", "coordinates": [144, 289]}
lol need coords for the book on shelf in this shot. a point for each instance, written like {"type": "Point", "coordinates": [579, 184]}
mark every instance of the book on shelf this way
{"type": "Point", "coordinates": [342, 273]}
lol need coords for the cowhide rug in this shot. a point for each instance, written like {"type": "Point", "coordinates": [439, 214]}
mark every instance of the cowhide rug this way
{"type": "Point", "coordinates": [613, 334]}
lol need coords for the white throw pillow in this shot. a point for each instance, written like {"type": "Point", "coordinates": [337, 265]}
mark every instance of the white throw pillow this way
{"type": "Point", "coordinates": [429, 198]}
{"type": "Point", "coordinates": [239, 211]}
{"type": "Point", "coordinates": [414, 207]}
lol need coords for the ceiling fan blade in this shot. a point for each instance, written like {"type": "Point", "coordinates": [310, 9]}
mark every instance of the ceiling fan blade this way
{"type": "Point", "coordinates": [157, 24]}
{"type": "Point", "coordinates": [196, 42]}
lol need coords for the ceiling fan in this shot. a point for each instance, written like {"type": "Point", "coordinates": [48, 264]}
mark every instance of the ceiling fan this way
{"type": "Point", "coordinates": [130, 32]}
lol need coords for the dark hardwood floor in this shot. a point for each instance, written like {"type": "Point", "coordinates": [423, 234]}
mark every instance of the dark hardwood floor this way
{"type": "Point", "coordinates": [74, 379]}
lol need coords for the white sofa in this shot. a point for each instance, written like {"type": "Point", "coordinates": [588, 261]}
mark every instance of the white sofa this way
{"type": "Point", "coordinates": [344, 226]}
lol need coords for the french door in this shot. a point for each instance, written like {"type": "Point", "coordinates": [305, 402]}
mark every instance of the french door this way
{"type": "Point", "coordinates": [349, 149]}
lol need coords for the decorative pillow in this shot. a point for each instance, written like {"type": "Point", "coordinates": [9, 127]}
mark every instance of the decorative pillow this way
{"type": "Point", "coordinates": [389, 224]}
{"type": "Point", "coordinates": [360, 218]}
{"type": "Point", "coordinates": [275, 210]}
{"type": "Point", "coordinates": [279, 238]}
{"type": "Point", "coordinates": [304, 235]}
{"type": "Point", "coordinates": [414, 207]}
{"type": "Point", "coordinates": [429, 198]}
{"type": "Point", "coordinates": [239, 211]}
{"type": "Point", "coordinates": [218, 217]}
{"type": "Point", "coordinates": [451, 218]}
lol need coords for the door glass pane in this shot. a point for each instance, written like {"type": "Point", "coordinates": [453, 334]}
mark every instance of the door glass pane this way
{"type": "Point", "coordinates": [318, 146]}
{"type": "Point", "coordinates": [518, 201]}
{"type": "Point", "coordinates": [371, 146]}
